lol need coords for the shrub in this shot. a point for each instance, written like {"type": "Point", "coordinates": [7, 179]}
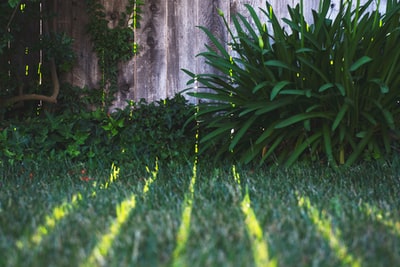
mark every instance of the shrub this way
{"type": "Point", "coordinates": [327, 91]}
{"type": "Point", "coordinates": [140, 131]}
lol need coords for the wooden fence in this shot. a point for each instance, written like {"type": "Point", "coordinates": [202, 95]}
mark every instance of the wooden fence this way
{"type": "Point", "coordinates": [168, 38]}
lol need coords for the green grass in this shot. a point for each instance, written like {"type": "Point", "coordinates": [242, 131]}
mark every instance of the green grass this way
{"type": "Point", "coordinates": [169, 214]}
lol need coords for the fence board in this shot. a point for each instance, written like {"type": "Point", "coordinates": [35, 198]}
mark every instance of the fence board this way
{"type": "Point", "coordinates": [150, 74]}
{"type": "Point", "coordinates": [168, 40]}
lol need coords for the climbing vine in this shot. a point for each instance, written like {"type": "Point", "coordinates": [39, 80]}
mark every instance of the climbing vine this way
{"type": "Point", "coordinates": [113, 44]}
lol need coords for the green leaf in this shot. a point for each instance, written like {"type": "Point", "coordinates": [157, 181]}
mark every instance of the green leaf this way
{"type": "Point", "coordinates": [272, 106]}
{"type": "Point", "coordinates": [277, 63]}
{"type": "Point", "coordinates": [260, 85]}
{"type": "Point", "coordinates": [325, 87]}
{"type": "Point", "coordinates": [341, 88]}
{"type": "Point", "coordinates": [328, 143]}
{"type": "Point", "coordinates": [279, 86]}
{"type": "Point", "coordinates": [241, 132]}
{"type": "Point", "coordinates": [389, 118]}
{"type": "Point", "coordinates": [274, 145]}
{"type": "Point", "coordinates": [222, 130]}
{"type": "Point", "coordinates": [384, 88]}
{"type": "Point", "coordinates": [361, 61]}
{"type": "Point", "coordinates": [214, 40]}
{"type": "Point", "coordinates": [300, 148]}
{"type": "Point", "coordinates": [360, 148]}
{"type": "Point", "coordinates": [340, 116]}
{"type": "Point", "coordinates": [300, 117]}
{"type": "Point", "coordinates": [13, 3]}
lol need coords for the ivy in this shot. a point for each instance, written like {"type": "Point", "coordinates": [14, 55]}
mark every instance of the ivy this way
{"type": "Point", "coordinates": [112, 45]}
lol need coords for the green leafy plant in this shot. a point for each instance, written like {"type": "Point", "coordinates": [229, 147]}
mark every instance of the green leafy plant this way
{"type": "Point", "coordinates": [327, 91]}
{"type": "Point", "coordinates": [113, 45]}
{"type": "Point", "coordinates": [140, 131]}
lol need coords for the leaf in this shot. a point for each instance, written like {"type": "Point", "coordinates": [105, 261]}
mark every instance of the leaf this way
{"type": "Point", "coordinates": [304, 50]}
{"type": "Point", "coordinates": [272, 148]}
{"type": "Point", "coordinates": [384, 88]}
{"type": "Point", "coordinates": [360, 148]}
{"type": "Point", "coordinates": [325, 87]}
{"type": "Point", "coordinates": [300, 117]}
{"type": "Point", "coordinates": [214, 40]}
{"type": "Point", "coordinates": [361, 61]}
{"type": "Point", "coordinates": [328, 143]}
{"type": "Point", "coordinates": [226, 129]}
{"type": "Point", "coordinates": [272, 106]}
{"type": "Point", "coordinates": [279, 86]}
{"type": "Point", "coordinates": [277, 63]}
{"type": "Point", "coordinates": [267, 133]}
{"type": "Point", "coordinates": [341, 88]}
{"type": "Point", "coordinates": [241, 132]}
{"type": "Point", "coordinates": [13, 3]}
{"type": "Point", "coordinates": [389, 118]}
{"type": "Point", "coordinates": [340, 116]}
{"type": "Point", "coordinates": [300, 148]}
{"type": "Point", "coordinates": [260, 85]}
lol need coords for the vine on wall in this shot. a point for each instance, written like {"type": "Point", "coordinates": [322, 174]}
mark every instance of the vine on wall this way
{"type": "Point", "coordinates": [113, 44]}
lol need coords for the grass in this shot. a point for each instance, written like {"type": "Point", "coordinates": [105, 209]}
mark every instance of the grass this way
{"type": "Point", "coordinates": [169, 214]}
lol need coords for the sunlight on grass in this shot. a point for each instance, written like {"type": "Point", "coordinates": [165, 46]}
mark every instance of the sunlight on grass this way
{"type": "Point", "coordinates": [151, 179]}
{"type": "Point", "coordinates": [328, 231]}
{"type": "Point", "coordinates": [101, 250]}
{"type": "Point", "coordinates": [259, 245]}
{"type": "Point", "coordinates": [123, 210]}
{"type": "Point", "coordinates": [50, 223]}
{"type": "Point", "coordinates": [380, 216]}
{"type": "Point", "coordinates": [58, 213]}
{"type": "Point", "coordinates": [184, 228]}
{"type": "Point", "coordinates": [113, 176]}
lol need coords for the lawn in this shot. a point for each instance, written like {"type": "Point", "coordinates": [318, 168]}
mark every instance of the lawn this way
{"type": "Point", "coordinates": [199, 214]}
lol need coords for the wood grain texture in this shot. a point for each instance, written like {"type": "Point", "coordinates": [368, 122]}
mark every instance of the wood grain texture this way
{"type": "Point", "coordinates": [150, 72]}
{"type": "Point", "coordinates": [168, 39]}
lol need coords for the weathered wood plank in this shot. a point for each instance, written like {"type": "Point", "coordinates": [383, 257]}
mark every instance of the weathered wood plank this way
{"type": "Point", "coordinates": [168, 39]}
{"type": "Point", "coordinates": [150, 64]}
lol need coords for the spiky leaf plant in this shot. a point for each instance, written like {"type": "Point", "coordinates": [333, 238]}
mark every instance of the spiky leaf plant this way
{"type": "Point", "coordinates": [327, 91]}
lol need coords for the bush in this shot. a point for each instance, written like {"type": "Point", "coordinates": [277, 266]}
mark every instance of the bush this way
{"type": "Point", "coordinates": [327, 91]}
{"type": "Point", "coordinates": [140, 131]}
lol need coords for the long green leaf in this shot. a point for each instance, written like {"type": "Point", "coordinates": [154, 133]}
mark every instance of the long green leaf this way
{"type": "Point", "coordinates": [340, 116]}
{"type": "Point", "coordinates": [360, 148]}
{"type": "Point", "coordinates": [301, 117]}
{"type": "Point", "coordinates": [241, 132]}
{"type": "Point", "coordinates": [271, 149]}
{"type": "Point", "coordinates": [266, 134]}
{"type": "Point", "coordinates": [272, 106]}
{"type": "Point", "coordinates": [384, 88]}
{"type": "Point", "coordinates": [222, 130]}
{"type": "Point", "coordinates": [279, 86]}
{"type": "Point", "coordinates": [214, 40]}
{"type": "Point", "coordinates": [361, 61]}
{"type": "Point", "coordinates": [277, 63]}
{"type": "Point", "coordinates": [389, 118]}
{"type": "Point", "coordinates": [260, 86]}
{"type": "Point", "coordinates": [328, 143]}
{"type": "Point", "coordinates": [325, 87]}
{"type": "Point", "coordinates": [300, 149]}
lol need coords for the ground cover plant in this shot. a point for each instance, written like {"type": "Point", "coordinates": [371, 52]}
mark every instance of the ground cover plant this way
{"type": "Point", "coordinates": [141, 130]}
{"type": "Point", "coordinates": [199, 214]}
{"type": "Point", "coordinates": [320, 90]}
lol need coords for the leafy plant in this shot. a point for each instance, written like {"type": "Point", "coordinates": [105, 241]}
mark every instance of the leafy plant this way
{"type": "Point", "coordinates": [141, 131]}
{"type": "Point", "coordinates": [113, 45]}
{"type": "Point", "coordinates": [326, 91]}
